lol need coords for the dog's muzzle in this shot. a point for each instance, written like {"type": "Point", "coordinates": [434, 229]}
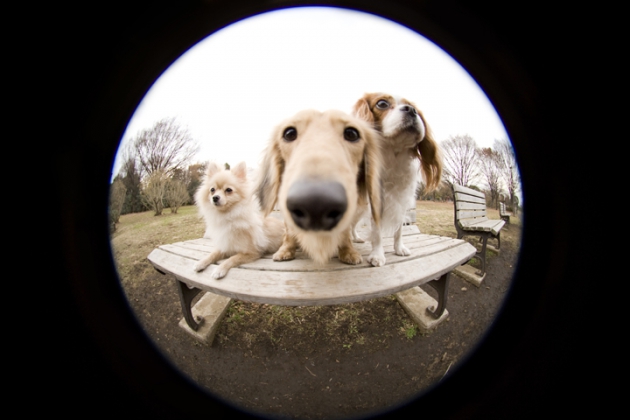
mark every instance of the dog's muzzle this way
{"type": "Point", "coordinates": [316, 205]}
{"type": "Point", "coordinates": [409, 110]}
{"type": "Point", "coordinates": [410, 116]}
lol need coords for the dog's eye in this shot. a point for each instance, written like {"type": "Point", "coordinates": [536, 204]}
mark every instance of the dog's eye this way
{"type": "Point", "coordinates": [382, 104]}
{"type": "Point", "coordinates": [290, 134]}
{"type": "Point", "coordinates": [211, 189]}
{"type": "Point", "coordinates": [351, 134]}
{"type": "Point", "coordinates": [228, 190]}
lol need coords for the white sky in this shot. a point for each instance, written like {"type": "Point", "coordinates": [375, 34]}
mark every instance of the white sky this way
{"type": "Point", "coordinates": [232, 88]}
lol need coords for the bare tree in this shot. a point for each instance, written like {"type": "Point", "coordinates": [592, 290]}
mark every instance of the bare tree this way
{"type": "Point", "coordinates": [460, 155]}
{"type": "Point", "coordinates": [191, 177]}
{"type": "Point", "coordinates": [154, 191]}
{"type": "Point", "coordinates": [176, 194]}
{"type": "Point", "coordinates": [509, 170]}
{"type": "Point", "coordinates": [490, 170]}
{"type": "Point", "coordinates": [164, 147]}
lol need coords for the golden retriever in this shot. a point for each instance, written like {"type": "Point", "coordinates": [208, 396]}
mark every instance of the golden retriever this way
{"type": "Point", "coordinates": [407, 146]}
{"type": "Point", "coordinates": [319, 167]}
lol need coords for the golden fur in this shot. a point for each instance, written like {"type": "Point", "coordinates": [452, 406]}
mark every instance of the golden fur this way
{"type": "Point", "coordinates": [234, 222]}
{"type": "Point", "coordinates": [320, 152]}
{"type": "Point", "coordinates": [406, 145]}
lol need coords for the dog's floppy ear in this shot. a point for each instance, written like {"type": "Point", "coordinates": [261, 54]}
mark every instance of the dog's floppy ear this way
{"type": "Point", "coordinates": [240, 170]}
{"type": "Point", "coordinates": [430, 159]}
{"type": "Point", "coordinates": [362, 110]}
{"type": "Point", "coordinates": [369, 181]}
{"type": "Point", "coordinates": [269, 177]}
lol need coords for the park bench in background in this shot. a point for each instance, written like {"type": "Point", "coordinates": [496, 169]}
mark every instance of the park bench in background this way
{"type": "Point", "coordinates": [503, 213]}
{"type": "Point", "coordinates": [471, 220]}
{"type": "Point", "coordinates": [300, 282]}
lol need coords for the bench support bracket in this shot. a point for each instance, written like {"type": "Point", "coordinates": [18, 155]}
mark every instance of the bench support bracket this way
{"type": "Point", "coordinates": [484, 248]}
{"type": "Point", "coordinates": [481, 255]}
{"type": "Point", "coordinates": [426, 312]}
{"type": "Point", "coordinates": [441, 286]}
{"type": "Point", "coordinates": [186, 296]}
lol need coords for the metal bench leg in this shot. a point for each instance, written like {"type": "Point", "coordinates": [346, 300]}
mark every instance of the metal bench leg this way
{"type": "Point", "coordinates": [441, 286]}
{"type": "Point", "coordinates": [481, 255]}
{"type": "Point", "coordinates": [186, 296]}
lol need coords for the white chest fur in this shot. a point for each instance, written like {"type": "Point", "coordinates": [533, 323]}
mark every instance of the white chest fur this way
{"type": "Point", "coordinates": [399, 185]}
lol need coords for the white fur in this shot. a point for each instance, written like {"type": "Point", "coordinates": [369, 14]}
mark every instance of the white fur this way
{"type": "Point", "coordinates": [400, 176]}
{"type": "Point", "coordinates": [393, 123]}
{"type": "Point", "coordinates": [238, 229]}
{"type": "Point", "coordinates": [242, 217]}
{"type": "Point", "coordinates": [399, 183]}
{"type": "Point", "coordinates": [396, 192]}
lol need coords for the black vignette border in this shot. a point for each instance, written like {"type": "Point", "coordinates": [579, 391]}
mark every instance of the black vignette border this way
{"type": "Point", "coordinates": [102, 59]}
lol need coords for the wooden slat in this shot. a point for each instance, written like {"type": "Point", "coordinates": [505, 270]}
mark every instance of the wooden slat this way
{"type": "Point", "coordinates": [469, 191]}
{"type": "Point", "coordinates": [470, 206]}
{"type": "Point", "coordinates": [301, 282]}
{"type": "Point", "coordinates": [464, 215]}
{"type": "Point", "coordinates": [492, 226]}
{"type": "Point", "coordinates": [198, 248]}
{"type": "Point", "coordinates": [469, 198]}
{"type": "Point", "coordinates": [421, 245]}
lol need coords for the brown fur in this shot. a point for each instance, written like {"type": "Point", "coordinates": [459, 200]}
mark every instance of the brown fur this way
{"type": "Point", "coordinates": [321, 152]}
{"type": "Point", "coordinates": [426, 150]}
{"type": "Point", "coordinates": [405, 145]}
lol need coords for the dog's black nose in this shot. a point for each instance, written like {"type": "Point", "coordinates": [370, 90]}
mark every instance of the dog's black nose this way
{"type": "Point", "coordinates": [317, 205]}
{"type": "Point", "coordinates": [215, 198]}
{"type": "Point", "coordinates": [409, 109]}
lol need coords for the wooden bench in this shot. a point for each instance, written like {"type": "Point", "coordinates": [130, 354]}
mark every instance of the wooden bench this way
{"type": "Point", "coordinates": [301, 282]}
{"type": "Point", "coordinates": [471, 220]}
{"type": "Point", "coordinates": [503, 213]}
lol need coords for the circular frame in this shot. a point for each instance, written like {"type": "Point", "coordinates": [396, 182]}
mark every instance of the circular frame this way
{"type": "Point", "coordinates": [104, 353]}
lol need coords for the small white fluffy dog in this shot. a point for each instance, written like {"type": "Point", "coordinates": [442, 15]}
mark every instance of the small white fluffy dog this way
{"type": "Point", "coordinates": [233, 220]}
{"type": "Point", "coordinates": [407, 145]}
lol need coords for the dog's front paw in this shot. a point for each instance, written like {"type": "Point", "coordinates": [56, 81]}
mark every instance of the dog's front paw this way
{"type": "Point", "coordinates": [402, 250]}
{"type": "Point", "coordinates": [350, 256]}
{"type": "Point", "coordinates": [283, 255]}
{"type": "Point", "coordinates": [219, 272]}
{"type": "Point", "coordinates": [377, 260]}
{"type": "Point", "coordinates": [200, 266]}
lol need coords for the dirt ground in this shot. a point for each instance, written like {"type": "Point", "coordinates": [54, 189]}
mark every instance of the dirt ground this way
{"type": "Point", "coordinates": [326, 362]}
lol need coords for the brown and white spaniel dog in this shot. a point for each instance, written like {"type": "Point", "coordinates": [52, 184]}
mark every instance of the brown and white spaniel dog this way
{"type": "Point", "coordinates": [407, 148]}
